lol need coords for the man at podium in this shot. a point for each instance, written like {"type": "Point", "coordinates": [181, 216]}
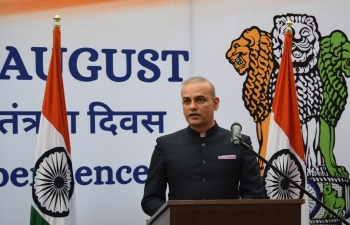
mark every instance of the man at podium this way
{"type": "Point", "coordinates": [200, 162]}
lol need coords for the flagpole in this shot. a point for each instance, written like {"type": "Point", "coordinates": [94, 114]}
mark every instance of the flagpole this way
{"type": "Point", "coordinates": [53, 198]}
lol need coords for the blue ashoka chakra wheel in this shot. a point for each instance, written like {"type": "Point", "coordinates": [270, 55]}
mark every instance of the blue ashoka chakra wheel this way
{"type": "Point", "coordinates": [313, 189]}
{"type": "Point", "coordinates": [278, 187]}
{"type": "Point", "coordinates": [53, 182]}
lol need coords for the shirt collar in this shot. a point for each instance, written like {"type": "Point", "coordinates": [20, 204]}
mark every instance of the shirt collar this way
{"type": "Point", "coordinates": [209, 132]}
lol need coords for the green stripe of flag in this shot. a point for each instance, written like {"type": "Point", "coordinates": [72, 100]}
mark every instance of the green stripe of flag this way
{"type": "Point", "coordinates": [36, 219]}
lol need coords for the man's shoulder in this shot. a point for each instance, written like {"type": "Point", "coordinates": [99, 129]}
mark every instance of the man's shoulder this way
{"type": "Point", "coordinates": [174, 135]}
{"type": "Point", "coordinates": [225, 131]}
{"type": "Point", "coordinates": [183, 132]}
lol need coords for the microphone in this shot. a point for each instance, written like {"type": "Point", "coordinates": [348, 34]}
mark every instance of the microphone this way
{"type": "Point", "coordinates": [236, 129]}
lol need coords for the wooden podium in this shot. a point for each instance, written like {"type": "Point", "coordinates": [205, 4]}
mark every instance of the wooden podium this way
{"type": "Point", "coordinates": [228, 212]}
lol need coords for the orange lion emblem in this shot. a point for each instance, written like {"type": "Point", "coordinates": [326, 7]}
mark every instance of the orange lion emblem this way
{"type": "Point", "coordinates": [251, 53]}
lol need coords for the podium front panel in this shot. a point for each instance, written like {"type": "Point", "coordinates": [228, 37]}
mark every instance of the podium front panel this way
{"type": "Point", "coordinates": [222, 212]}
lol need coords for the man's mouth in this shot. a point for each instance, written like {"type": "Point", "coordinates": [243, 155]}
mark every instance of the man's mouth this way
{"type": "Point", "coordinates": [194, 115]}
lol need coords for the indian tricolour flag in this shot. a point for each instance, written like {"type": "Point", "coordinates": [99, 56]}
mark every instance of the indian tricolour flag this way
{"type": "Point", "coordinates": [285, 149]}
{"type": "Point", "coordinates": [53, 199]}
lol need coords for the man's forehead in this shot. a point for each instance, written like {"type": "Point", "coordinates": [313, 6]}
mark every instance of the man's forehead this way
{"type": "Point", "coordinates": [195, 92]}
{"type": "Point", "coordinates": [196, 87]}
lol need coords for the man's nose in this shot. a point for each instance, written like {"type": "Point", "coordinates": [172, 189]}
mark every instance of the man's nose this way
{"type": "Point", "coordinates": [193, 105]}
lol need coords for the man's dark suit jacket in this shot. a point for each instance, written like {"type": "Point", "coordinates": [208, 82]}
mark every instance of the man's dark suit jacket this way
{"type": "Point", "coordinates": [190, 165]}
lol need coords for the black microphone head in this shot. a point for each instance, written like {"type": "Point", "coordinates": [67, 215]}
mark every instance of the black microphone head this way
{"type": "Point", "coordinates": [236, 124]}
{"type": "Point", "coordinates": [236, 129]}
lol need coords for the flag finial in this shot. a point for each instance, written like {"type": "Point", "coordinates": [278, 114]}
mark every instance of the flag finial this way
{"type": "Point", "coordinates": [57, 19]}
{"type": "Point", "coordinates": [289, 24]}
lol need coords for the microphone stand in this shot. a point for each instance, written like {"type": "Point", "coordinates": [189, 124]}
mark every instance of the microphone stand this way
{"type": "Point", "coordinates": [293, 182]}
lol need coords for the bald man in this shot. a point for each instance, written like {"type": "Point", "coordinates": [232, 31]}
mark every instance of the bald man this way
{"type": "Point", "coordinates": [199, 162]}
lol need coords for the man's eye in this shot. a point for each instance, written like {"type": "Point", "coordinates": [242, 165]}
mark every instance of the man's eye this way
{"type": "Point", "coordinates": [185, 101]}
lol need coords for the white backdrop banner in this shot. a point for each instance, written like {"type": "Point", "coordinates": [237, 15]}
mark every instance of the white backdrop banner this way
{"type": "Point", "coordinates": [123, 64]}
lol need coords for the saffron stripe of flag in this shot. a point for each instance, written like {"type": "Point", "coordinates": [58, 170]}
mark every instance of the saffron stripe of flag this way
{"type": "Point", "coordinates": [285, 149]}
{"type": "Point", "coordinates": [54, 104]}
{"type": "Point", "coordinates": [285, 103]}
{"type": "Point", "coordinates": [53, 199]}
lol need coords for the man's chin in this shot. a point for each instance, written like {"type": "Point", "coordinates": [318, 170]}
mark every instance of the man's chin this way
{"type": "Point", "coordinates": [194, 122]}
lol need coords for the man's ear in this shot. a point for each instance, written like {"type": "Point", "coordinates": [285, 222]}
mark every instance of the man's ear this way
{"type": "Point", "coordinates": [216, 103]}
